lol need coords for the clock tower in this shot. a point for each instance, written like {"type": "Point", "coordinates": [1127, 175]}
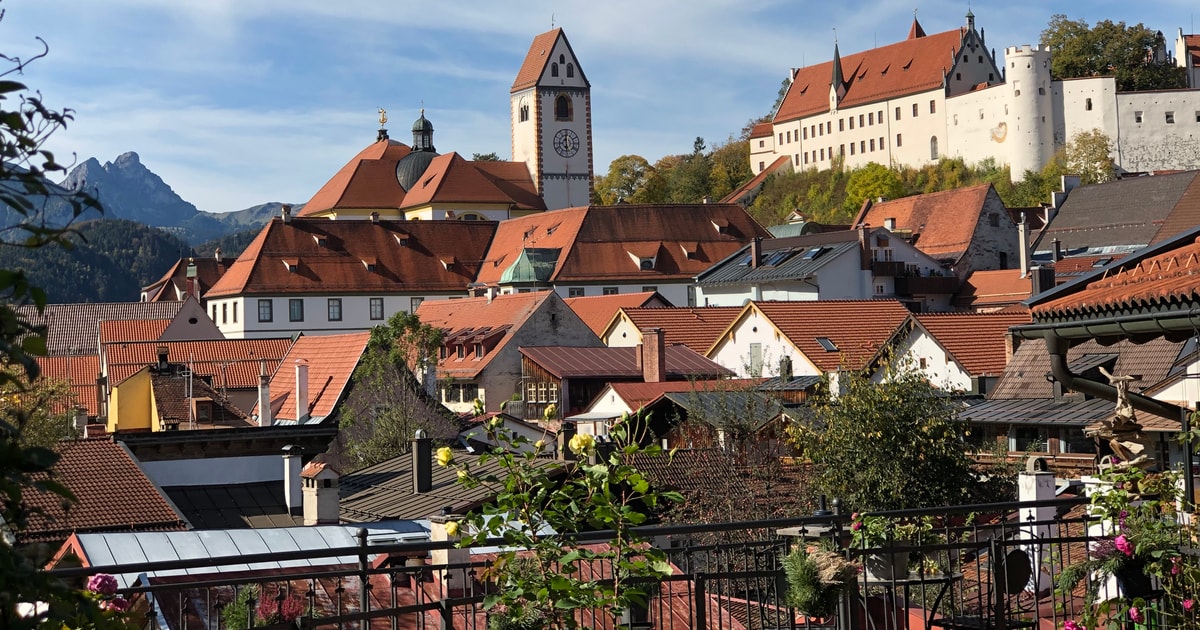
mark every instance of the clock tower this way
{"type": "Point", "coordinates": [552, 122]}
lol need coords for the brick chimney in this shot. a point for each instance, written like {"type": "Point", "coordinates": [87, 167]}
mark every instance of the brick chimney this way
{"type": "Point", "coordinates": [653, 356]}
{"type": "Point", "coordinates": [755, 252]}
{"type": "Point", "coordinates": [422, 463]}
{"type": "Point", "coordinates": [301, 391]}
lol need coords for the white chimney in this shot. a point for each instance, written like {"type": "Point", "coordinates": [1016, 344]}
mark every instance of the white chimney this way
{"type": "Point", "coordinates": [1023, 244]}
{"type": "Point", "coordinates": [264, 395]}
{"type": "Point", "coordinates": [301, 391]}
{"type": "Point", "coordinates": [320, 494]}
{"type": "Point", "coordinates": [453, 581]}
{"type": "Point", "coordinates": [292, 466]}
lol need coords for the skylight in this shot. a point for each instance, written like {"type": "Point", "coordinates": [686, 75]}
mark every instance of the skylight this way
{"type": "Point", "coordinates": [828, 344]}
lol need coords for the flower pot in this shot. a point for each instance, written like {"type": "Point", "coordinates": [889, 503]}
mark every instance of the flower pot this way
{"type": "Point", "coordinates": [887, 566]}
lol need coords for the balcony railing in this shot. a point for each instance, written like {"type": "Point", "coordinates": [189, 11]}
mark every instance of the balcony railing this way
{"type": "Point", "coordinates": [726, 576]}
{"type": "Point", "coordinates": [924, 285]}
{"type": "Point", "coordinates": [887, 267]}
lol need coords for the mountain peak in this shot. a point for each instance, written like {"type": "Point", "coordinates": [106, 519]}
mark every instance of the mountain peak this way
{"type": "Point", "coordinates": [127, 159]}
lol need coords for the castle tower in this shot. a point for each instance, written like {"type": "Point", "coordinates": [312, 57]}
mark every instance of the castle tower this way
{"type": "Point", "coordinates": [1030, 133]}
{"type": "Point", "coordinates": [551, 103]}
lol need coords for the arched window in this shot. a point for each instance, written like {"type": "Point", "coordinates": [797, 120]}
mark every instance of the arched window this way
{"type": "Point", "coordinates": [553, 69]}
{"type": "Point", "coordinates": [570, 70]}
{"type": "Point", "coordinates": [562, 107]}
{"type": "Point", "coordinates": [524, 113]}
{"type": "Point", "coordinates": [933, 151]}
{"type": "Point", "coordinates": [562, 59]}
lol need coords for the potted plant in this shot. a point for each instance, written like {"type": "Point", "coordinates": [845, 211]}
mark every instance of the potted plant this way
{"type": "Point", "coordinates": [816, 577]}
{"type": "Point", "coordinates": [877, 538]}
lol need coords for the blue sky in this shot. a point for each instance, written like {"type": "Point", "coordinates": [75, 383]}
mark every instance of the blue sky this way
{"type": "Point", "coordinates": [239, 102]}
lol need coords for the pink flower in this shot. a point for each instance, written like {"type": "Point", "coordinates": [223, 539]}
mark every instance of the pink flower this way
{"type": "Point", "coordinates": [1070, 624]}
{"type": "Point", "coordinates": [118, 604]}
{"type": "Point", "coordinates": [1188, 604]}
{"type": "Point", "coordinates": [1135, 614]}
{"type": "Point", "coordinates": [1175, 566]}
{"type": "Point", "coordinates": [1123, 545]}
{"type": "Point", "coordinates": [103, 584]}
{"type": "Point", "coordinates": [855, 526]}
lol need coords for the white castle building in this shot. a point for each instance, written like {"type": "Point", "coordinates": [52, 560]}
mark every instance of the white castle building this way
{"type": "Point", "coordinates": [945, 95]}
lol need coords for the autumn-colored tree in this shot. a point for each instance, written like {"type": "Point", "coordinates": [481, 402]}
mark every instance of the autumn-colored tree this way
{"type": "Point", "coordinates": [1088, 154]}
{"type": "Point", "coordinates": [626, 180]}
{"type": "Point", "coordinates": [44, 408]}
{"type": "Point", "coordinates": [730, 167]}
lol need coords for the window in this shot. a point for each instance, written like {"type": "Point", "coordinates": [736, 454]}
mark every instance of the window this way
{"type": "Point", "coordinates": [1137, 117]}
{"type": "Point", "coordinates": [761, 166]}
{"type": "Point", "coordinates": [897, 113]}
{"type": "Point", "coordinates": [1027, 439]}
{"type": "Point", "coordinates": [827, 344]}
{"type": "Point", "coordinates": [914, 110]}
{"type": "Point", "coordinates": [1087, 104]}
{"type": "Point", "coordinates": [958, 76]}
{"type": "Point", "coordinates": [376, 308]}
{"type": "Point", "coordinates": [879, 116]}
{"type": "Point", "coordinates": [414, 303]}
{"type": "Point", "coordinates": [862, 146]}
{"type": "Point", "coordinates": [841, 150]}
{"type": "Point", "coordinates": [780, 137]}
{"type": "Point", "coordinates": [1198, 116]}
{"type": "Point", "coordinates": [462, 351]}
{"type": "Point", "coordinates": [295, 310]}
{"type": "Point", "coordinates": [478, 351]}
{"type": "Point", "coordinates": [872, 144]}
{"type": "Point", "coordinates": [265, 311]}
{"type": "Point", "coordinates": [994, 219]}
{"type": "Point", "coordinates": [829, 126]}
{"type": "Point", "coordinates": [334, 306]}
{"type": "Point", "coordinates": [841, 124]}
{"type": "Point", "coordinates": [871, 118]}
{"type": "Point", "coordinates": [470, 391]}
{"type": "Point", "coordinates": [1042, 91]}
{"type": "Point", "coordinates": [806, 157]}
{"type": "Point", "coordinates": [932, 107]}
{"type": "Point", "coordinates": [805, 134]}
{"type": "Point", "coordinates": [820, 130]}
{"type": "Point", "coordinates": [214, 313]}
{"type": "Point", "coordinates": [235, 309]}
{"type": "Point", "coordinates": [762, 143]}
{"type": "Point", "coordinates": [562, 107]}
{"type": "Point", "coordinates": [860, 120]}
{"type": "Point", "coordinates": [822, 155]}
{"type": "Point", "coordinates": [224, 313]}
{"type": "Point", "coordinates": [788, 136]}
{"type": "Point", "coordinates": [570, 70]}
{"type": "Point", "coordinates": [1170, 118]}
{"type": "Point", "coordinates": [879, 289]}
{"type": "Point", "coordinates": [852, 122]}
{"type": "Point", "coordinates": [575, 292]}
{"type": "Point", "coordinates": [524, 113]}
{"type": "Point", "coordinates": [611, 291]}
{"type": "Point", "coordinates": [756, 360]}
{"type": "Point", "coordinates": [649, 289]}
{"type": "Point", "coordinates": [933, 149]}
{"type": "Point", "coordinates": [554, 69]}
{"type": "Point", "coordinates": [898, 140]}
{"type": "Point", "coordinates": [881, 144]}
{"type": "Point", "coordinates": [851, 148]}
{"type": "Point", "coordinates": [1003, 260]}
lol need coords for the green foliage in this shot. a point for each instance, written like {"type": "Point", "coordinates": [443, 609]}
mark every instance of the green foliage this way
{"type": "Point", "coordinates": [42, 409]}
{"type": "Point", "coordinates": [871, 182]}
{"type": "Point", "coordinates": [542, 574]}
{"type": "Point", "coordinates": [485, 157]}
{"type": "Point", "coordinates": [1110, 48]}
{"type": "Point", "coordinates": [236, 613]}
{"type": "Point", "coordinates": [626, 178]}
{"type": "Point", "coordinates": [816, 577]}
{"type": "Point", "coordinates": [231, 245]}
{"type": "Point", "coordinates": [887, 445]}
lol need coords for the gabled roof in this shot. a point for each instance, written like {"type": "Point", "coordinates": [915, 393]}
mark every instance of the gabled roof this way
{"type": "Point", "coordinates": [789, 258]}
{"type": "Point", "coordinates": [75, 328]}
{"type": "Point", "coordinates": [111, 494]}
{"type": "Point", "coordinates": [174, 282]}
{"type": "Point", "coordinates": [696, 327]}
{"type": "Point", "coordinates": [942, 224]}
{"type": "Point", "coordinates": [756, 408]}
{"type": "Point", "coordinates": [231, 363]}
{"type": "Point", "coordinates": [451, 179]}
{"type": "Point", "coordinates": [78, 371]}
{"type": "Point", "coordinates": [859, 329]}
{"type": "Point", "coordinates": [1025, 375]}
{"type": "Point", "coordinates": [358, 257]}
{"type": "Point", "coordinates": [598, 310]}
{"type": "Point", "coordinates": [570, 362]}
{"type": "Point", "coordinates": [745, 193]}
{"type": "Point", "coordinates": [906, 67]}
{"type": "Point", "coordinates": [762, 130]}
{"type": "Point", "coordinates": [538, 56]}
{"type": "Point", "coordinates": [993, 289]}
{"type": "Point", "coordinates": [1075, 266]}
{"type": "Point", "coordinates": [331, 360]}
{"type": "Point", "coordinates": [637, 394]}
{"type": "Point", "coordinates": [975, 340]}
{"type": "Point", "coordinates": [133, 330]}
{"type": "Point", "coordinates": [503, 315]}
{"type": "Point", "coordinates": [173, 396]}
{"type": "Point", "coordinates": [368, 180]}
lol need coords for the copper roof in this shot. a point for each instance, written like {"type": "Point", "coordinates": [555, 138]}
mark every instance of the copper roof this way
{"type": "Point", "coordinates": [368, 180]}
{"type": "Point", "coordinates": [111, 494]}
{"type": "Point", "coordinates": [858, 328]}
{"type": "Point", "coordinates": [598, 310]}
{"type": "Point", "coordinates": [571, 362]}
{"type": "Point", "coordinates": [75, 328]}
{"type": "Point", "coordinates": [497, 319]}
{"type": "Point", "coordinates": [906, 67]}
{"type": "Point", "coordinates": [78, 371]}
{"type": "Point", "coordinates": [994, 288]}
{"type": "Point", "coordinates": [975, 340]}
{"type": "Point", "coordinates": [331, 360]}
{"type": "Point", "coordinates": [696, 327]}
{"type": "Point", "coordinates": [358, 257]}
{"type": "Point", "coordinates": [232, 363]}
{"type": "Point", "coordinates": [942, 224]}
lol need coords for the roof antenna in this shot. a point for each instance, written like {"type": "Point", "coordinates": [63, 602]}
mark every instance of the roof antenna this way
{"type": "Point", "coordinates": [835, 36]}
{"type": "Point", "coordinates": [552, 21]}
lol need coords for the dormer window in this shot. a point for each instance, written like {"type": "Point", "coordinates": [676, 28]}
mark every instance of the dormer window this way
{"type": "Point", "coordinates": [827, 344]}
{"type": "Point", "coordinates": [292, 264]}
{"type": "Point", "coordinates": [447, 262]}
{"type": "Point", "coordinates": [369, 263]}
{"type": "Point", "coordinates": [462, 352]}
{"type": "Point", "coordinates": [478, 351]}
{"type": "Point", "coordinates": [646, 264]}
{"type": "Point", "coordinates": [321, 240]}
{"type": "Point", "coordinates": [401, 239]}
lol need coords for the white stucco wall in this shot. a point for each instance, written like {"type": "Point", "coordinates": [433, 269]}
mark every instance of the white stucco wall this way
{"type": "Point", "coordinates": [939, 368]}
{"type": "Point", "coordinates": [215, 471]}
{"type": "Point", "coordinates": [675, 292]}
{"type": "Point", "coordinates": [734, 350]}
{"type": "Point", "coordinates": [356, 314]}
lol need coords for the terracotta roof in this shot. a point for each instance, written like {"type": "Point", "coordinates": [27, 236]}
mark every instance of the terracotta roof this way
{"type": "Point", "coordinates": [1025, 375]}
{"type": "Point", "coordinates": [1193, 50]}
{"type": "Point", "coordinates": [1184, 216]}
{"type": "Point", "coordinates": [858, 328]}
{"type": "Point", "coordinates": [514, 180]}
{"type": "Point", "coordinates": [916, 30]}
{"type": "Point", "coordinates": [975, 340]}
{"type": "Point", "coordinates": [598, 310]}
{"type": "Point", "coordinates": [942, 224]}
{"type": "Point", "coordinates": [636, 394]}
{"type": "Point", "coordinates": [756, 182]}
{"type": "Point", "coordinates": [173, 403]}
{"type": "Point", "coordinates": [133, 330]}
{"type": "Point", "coordinates": [762, 130]}
{"type": "Point", "coordinates": [571, 362]}
{"type": "Point", "coordinates": [233, 363]}
{"type": "Point", "coordinates": [1165, 279]}
{"type": "Point", "coordinates": [80, 372]}
{"type": "Point", "coordinates": [333, 257]}
{"type": "Point", "coordinates": [368, 180]}
{"type": "Point", "coordinates": [597, 242]}
{"type": "Point", "coordinates": [535, 60]}
{"type": "Point", "coordinates": [331, 361]}
{"type": "Point", "coordinates": [1082, 265]}
{"type": "Point", "coordinates": [174, 282]}
{"type": "Point", "coordinates": [451, 179]}
{"type": "Point", "coordinates": [75, 328]}
{"type": "Point", "coordinates": [695, 327]}
{"type": "Point", "coordinates": [907, 67]}
{"type": "Point", "coordinates": [994, 288]}
{"type": "Point", "coordinates": [111, 494]}
{"type": "Point", "coordinates": [503, 316]}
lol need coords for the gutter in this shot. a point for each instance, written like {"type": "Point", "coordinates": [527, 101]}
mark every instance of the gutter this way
{"type": "Point", "coordinates": [1057, 347]}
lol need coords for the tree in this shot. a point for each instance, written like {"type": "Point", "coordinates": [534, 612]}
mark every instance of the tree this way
{"type": "Point", "coordinates": [870, 182]}
{"type": "Point", "coordinates": [1135, 55]}
{"type": "Point", "coordinates": [1089, 155]}
{"type": "Point", "coordinates": [485, 157]}
{"type": "Point", "coordinates": [689, 181]}
{"type": "Point", "coordinates": [730, 167]}
{"type": "Point", "coordinates": [43, 408]}
{"type": "Point", "coordinates": [626, 179]}
{"type": "Point", "coordinates": [388, 401]}
{"type": "Point", "coordinates": [887, 445]}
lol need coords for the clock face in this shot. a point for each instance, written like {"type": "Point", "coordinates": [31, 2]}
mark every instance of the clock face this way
{"type": "Point", "coordinates": [566, 143]}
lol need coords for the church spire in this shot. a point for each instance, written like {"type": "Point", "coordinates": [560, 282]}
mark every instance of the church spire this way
{"type": "Point", "coordinates": [915, 30]}
{"type": "Point", "coordinates": [839, 80]}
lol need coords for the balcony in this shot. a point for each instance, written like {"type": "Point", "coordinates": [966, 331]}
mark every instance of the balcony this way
{"type": "Point", "coordinates": [886, 268]}
{"type": "Point", "coordinates": [926, 285]}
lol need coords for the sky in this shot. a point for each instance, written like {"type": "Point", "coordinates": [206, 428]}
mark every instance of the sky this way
{"type": "Point", "coordinates": [240, 102]}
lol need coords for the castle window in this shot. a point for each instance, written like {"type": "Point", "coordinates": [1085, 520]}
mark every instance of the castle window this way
{"type": "Point", "coordinates": [871, 118]}
{"type": "Point", "coordinates": [570, 70]}
{"type": "Point", "coordinates": [562, 59]}
{"type": "Point", "coordinates": [872, 144]}
{"type": "Point", "coordinates": [553, 69]}
{"type": "Point", "coordinates": [881, 143]}
{"type": "Point", "coordinates": [932, 107]}
{"type": "Point", "coordinates": [789, 136]}
{"type": "Point", "coordinates": [1137, 117]}
{"type": "Point", "coordinates": [841, 150]}
{"type": "Point", "coordinates": [851, 148]}
{"type": "Point", "coordinates": [562, 107]}
{"type": "Point", "coordinates": [761, 166]}
{"type": "Point", "coordinates": [914, 110]}
{"type": "Point", "coordinates": [805, 130]}
{"type": "Point", "coordinates": [980, 58]}
{"type": "Point", "coordinates": [852, 122]}
{"type": "Point", "coordinates": [822, 155]}
{"type": "Point", "coordinates": [897, 113]}
{"type": "Point", "coordinates": [1170, 118]}
{"type": "Point", "coordinates": [524, 113]}
{"type": "Point", "coordinates": [933, 148]}
{"type": "Point", "coordinates": [780, 137]}
{"type": "Point", "coordinates": [860, 120]}
{"type": "Point", "coordinates": [1087, 104]}
{"type": "Point", "coordinates": [862, 146]}
{"type": "Point", "coordinates": [795, 157]}
{"type": "Point", "coordinates": [897, 139]}
{"type": "Point", "coordinates": [841, 124]}
{"type": "Point", "coordinates": [762, 143]}
{"type": "Point", "coordinates": [806, 157]}
{"type": "Point", "coordinates": [829, 126]}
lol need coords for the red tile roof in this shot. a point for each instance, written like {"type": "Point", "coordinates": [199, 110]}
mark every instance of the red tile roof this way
{"type": "Point", "coordinates": [133, 330]}
{"type": "Point", "coordinates": [1193, 50]}
{"type": "Point", "coordinates": [331, 361]}
{"type": "Point", "coordinates": [1078, 265]}
{"type": "Point", "coordinates": [1163, 279]}
{"type": "Point", "coordinates": [598, 310]}
{"type": "Point", "coordinates": [942, 224]}
{"type": "Point", "coordinates": [907, 67]}
{"type": "Point", "coordinates": [695, 327]}
{"type": "Point", "coordinates": [762, 130]}
{"type": "Point", "coordinates": [173, 402]}
{"type": "Point", "coordinates": [536, 60]}
{"type": "Point", "coordinates": [755, 182]}
{"type": "Point", "coordinates": [234, 363]}
{"type": "Point", "coordinates": [111, 491]}
{"type": "Point", "coordinates": [571, 362]}
{"type": "Point", "coordinates": [975, 340]}
{"type": "Point", "coordinates": [993, 289]}
{"type": "Point", "coordinates": [368, 180]}
{"type": "Point", "coordinates": [75, 328]}
{"type": "Point", "coordinates": [451, 179]}
{"type": "Point", "coordinates": [340, 265]}
{"type": "Point", "coordinates": [503, 316]}
{"type": "Point", "coordinates": [637, 394]}
{"type": "Point", "coordinates": [80, 373]}
{"type": "Point", "coordinates": [174, 282]}
{"type": "Point", "coordinates": [858, 328]}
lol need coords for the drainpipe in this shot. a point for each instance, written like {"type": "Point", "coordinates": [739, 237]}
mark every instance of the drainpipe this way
{"type": "Point", "coordinates": [1057, 347]}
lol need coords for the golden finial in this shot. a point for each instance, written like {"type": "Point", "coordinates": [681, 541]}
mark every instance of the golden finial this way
{"type": "Point", "coordinates": [382, 117]}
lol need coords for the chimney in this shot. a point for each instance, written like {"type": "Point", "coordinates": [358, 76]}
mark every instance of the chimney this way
{"type": "Point", "coordinates": [320, 494]}
{"type": "Point", "coordinates": [785, 369]}
{"type": "Point", "coordinates": [292, 465]}
{"type": "Point", "coordinates": [864, 248]}
{"type": "Point", "coordinates": [654, 356]}
{"type": "Point", "coordinates": [755, 252]}
{"type": "Point", "coordinates": [1057, 245]}
{"type": "Point", "coordinates": [301, 391]}
{"type": "Point", "coordinates": [264, 395]}
{"type": "Point", "coordinates": [162, 358]}
{"type": "Point", "coordinates": [1023, 244]}
{"type": "Point", "coordinates": [375, 218]}
{"type": "Point", "coordinates": [217, 254]}
{"type": "Point", "coordinates": [286, 212]}
{"type": "Point", "coordinates": [1041, 280]}
{"type": "Point", "coordinates": [454, 582]}
{"type": "Point", "coordinates": [565, 433]}
{"type": "Point", "coordinates": [422, 463]}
